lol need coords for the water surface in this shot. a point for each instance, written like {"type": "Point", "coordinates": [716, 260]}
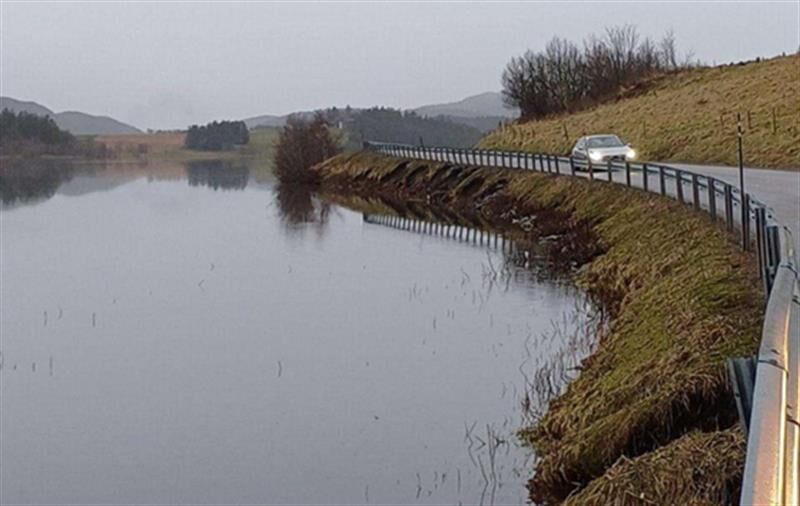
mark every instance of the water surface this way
{"type": "Point", "coordinates": [190, 335]}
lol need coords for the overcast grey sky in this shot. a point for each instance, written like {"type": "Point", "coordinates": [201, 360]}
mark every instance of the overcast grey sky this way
{"type": "Point", "coordinates": [165, 65]}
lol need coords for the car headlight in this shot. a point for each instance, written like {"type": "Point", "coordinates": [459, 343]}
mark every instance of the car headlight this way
{"type": "Point", "coordinates": [595, 156]}
{"type": "Point", "coordinates": [631, 154]}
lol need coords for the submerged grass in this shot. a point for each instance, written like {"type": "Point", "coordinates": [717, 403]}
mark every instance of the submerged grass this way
{"type": "Point", "coordinates": [682, 299]}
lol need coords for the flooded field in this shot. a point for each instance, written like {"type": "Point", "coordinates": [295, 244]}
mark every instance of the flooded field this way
{"type": "Point", "coordinates": [195, 335]}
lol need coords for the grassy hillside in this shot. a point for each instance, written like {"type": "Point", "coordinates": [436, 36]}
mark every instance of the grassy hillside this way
{"type": "Point", "coordinates": [689, 116]}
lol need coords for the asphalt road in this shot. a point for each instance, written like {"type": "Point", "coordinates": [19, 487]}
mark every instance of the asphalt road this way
{"type": "Point", "coordinates": [778, 189]}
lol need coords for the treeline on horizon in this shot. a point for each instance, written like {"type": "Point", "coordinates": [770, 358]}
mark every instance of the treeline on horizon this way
{"type": "Point", "coordinates": [566, 77]}
{"type": "Point", "coordinates": [29, 133]}
{"type": "Point", "coordinates": [406, 127]}
{"type": "Point", "coordinates": [217, 136]}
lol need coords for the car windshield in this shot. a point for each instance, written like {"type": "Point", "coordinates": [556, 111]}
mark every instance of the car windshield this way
{"type": "Point", "coordinates": [604, 141]}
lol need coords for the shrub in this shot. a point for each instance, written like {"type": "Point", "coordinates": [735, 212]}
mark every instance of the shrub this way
{"type": "Point", "coordinates": [301, 145]}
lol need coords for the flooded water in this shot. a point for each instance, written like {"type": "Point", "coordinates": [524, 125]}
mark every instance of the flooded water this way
{"type": "Point", "coordinates": [191, 335]}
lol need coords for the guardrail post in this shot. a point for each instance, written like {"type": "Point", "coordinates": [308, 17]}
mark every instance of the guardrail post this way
{"type": "Point", "coordinates": [591, 169]}
{"type": "Point", "coordinates": [662, 180]}
{"type": "Point", "coordinates": [773, 254]}
{"type": "Point", "coordinates": [571, 166]}
{"type": "Point", "coordinates": [712, 197]}
{"type": "Point", "coordinates": [627, 174]}
{"type": "Point", "coordinates": [608, 171]}
{"type": "Point", "coordinates": [695, 192]}
{"type": "Point", "coordinates": [645, 183]}
{"type": "Point", "coordinates": [761, 251]}
{"type": "Point", "coordinates": [549, 168]}
{"type": "Point", "coordinates": [728, 206]}
{"type": "Point", "coordinates": [679, 185]}
{"type": "Point", "coordinates": [745, 221]}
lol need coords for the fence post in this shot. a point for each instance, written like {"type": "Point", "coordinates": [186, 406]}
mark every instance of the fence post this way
{"type": "Point", "coordinates": [571, 166]}
{"type": "Point", "coordinates": [661, 179]}
{"type": "Point", "coordinates": [627, 174]}
{"type": "Point", "coordinates": [679, 185]}
{"type": "Point", "coordinates": [728, 206]}
{"type": "Point", "coordinates": [695, 192]}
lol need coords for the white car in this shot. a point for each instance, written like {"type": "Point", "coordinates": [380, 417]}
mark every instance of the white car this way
{"type": "Point", "coordinates": [602, 148]}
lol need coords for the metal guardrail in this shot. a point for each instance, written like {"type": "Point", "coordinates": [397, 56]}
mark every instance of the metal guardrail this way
{"type": "Point", "coordinates": [773, 447]}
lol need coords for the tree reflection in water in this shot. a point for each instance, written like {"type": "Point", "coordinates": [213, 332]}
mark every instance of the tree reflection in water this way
{"type": "Point", "coordinates": [31, 179]}
{"type": "Point", "coordinates": [218, 174]}
{"type": "Point", "coordinates": [298, 206]}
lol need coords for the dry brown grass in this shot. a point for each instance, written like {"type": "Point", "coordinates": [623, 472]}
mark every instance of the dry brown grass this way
{"type": "Point", "coordinates": [682, 296]}
{"type": "Point", "coordinates": [662, 476]}
{"type": "Point", "coordinates": [688, 117]}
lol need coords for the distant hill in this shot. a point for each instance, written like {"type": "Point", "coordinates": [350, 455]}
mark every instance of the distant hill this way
{"type": "Point", "coordinates": [484, 111]}
{"type": "Point", "coordinates": [266, 120]}
{"type": "Point", "coordinates": [77, 123]}
{"type": "Point", "coordinates": [270, 120]}
{"type": "Point", "coordinates": [476, 106]}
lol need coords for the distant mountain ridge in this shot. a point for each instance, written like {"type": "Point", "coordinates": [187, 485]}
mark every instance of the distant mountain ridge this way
{"type": "Point", "coordinates": [488, 104]}
{"type": "Point", "coordinates": [483, 112]}
{"type": "Point", "coordinates": [75, 122]}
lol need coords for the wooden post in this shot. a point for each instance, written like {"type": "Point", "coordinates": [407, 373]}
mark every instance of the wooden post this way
{"type": "Point", "coordinates": [774, 121]}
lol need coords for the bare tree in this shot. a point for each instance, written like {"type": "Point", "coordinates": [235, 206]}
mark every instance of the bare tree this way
{"type": "Point", "coordinates": [563, 77]}
{"type": "Point", "coordinates": [301, 145]}
{"type": "Point", "coordinates": [669, 57]}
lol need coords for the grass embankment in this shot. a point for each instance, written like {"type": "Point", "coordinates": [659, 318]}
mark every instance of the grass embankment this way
{"type": "Point", "coordinates": [169, 146]}
{"type": "Point", "coordinates": [689, 116]}
{"type": "Point", "coordinates": [650, 418]}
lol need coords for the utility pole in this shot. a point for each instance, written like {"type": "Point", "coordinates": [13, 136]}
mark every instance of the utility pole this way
{"type": "Point", "coordinates": [745, 201]}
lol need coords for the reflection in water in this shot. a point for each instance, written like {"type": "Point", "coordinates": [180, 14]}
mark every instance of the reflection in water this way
{"type": "Point", "coordinates": [298, 206]}
{"type": "Point", "coordinates": [363, 365]}
{"type": "Point", "coordinates": [30, 180]}
{"type": "Point", "coordinates": [218, 174]}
